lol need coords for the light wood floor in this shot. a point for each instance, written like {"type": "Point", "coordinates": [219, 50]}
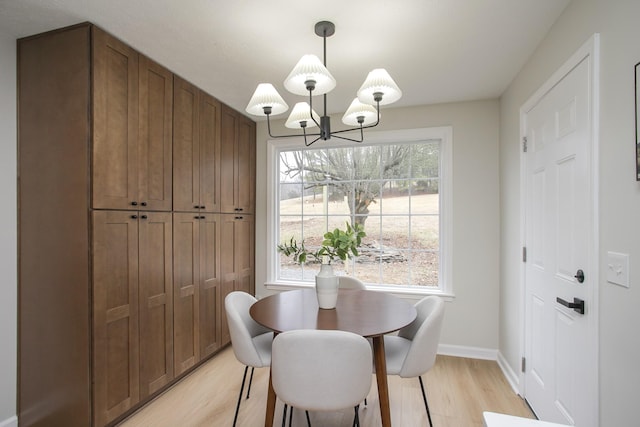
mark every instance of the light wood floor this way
{"type": "Point", "coordinates": [458, 390]}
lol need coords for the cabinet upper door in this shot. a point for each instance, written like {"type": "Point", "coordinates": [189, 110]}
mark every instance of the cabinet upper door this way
{"type": "Point", "coordinates": [209, 153]}
{"type": "Point", "coordinates": [155, 136]}
{"type": "Point", "coordinates": [237, 167]}
{"type": "Point", "coordinates": [186, 146]}
{"type": "Point", "coordinates": [115, 123]}
{"type": "Point", "coordinates": [246, 154]}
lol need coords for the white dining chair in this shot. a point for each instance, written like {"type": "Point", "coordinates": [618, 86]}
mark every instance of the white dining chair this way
{"type": "Point", "coordinates": [250, 341]}
{"type": "Point", "coordinates": [321, 370]}
{"type": "Point", "coordinates": [350, 282]}
{"type": "Point", "coordinates": [413, 351]}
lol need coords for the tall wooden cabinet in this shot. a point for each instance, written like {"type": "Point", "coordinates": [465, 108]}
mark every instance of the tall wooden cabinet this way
{"type": "Point", "coordinates": [120, 187]}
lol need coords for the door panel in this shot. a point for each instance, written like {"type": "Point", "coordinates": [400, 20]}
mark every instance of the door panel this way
{"type": "Point", "coordinates": [246, 158]}
{"type": "Point", "coordinates": [155, 136]}
{"type": "Point", "coordinates": [209, 153]}
{"type": "Point", "coordinates": [228, 163]}
{"type": "Point", "coordinates": [115, 314]}
{"type": "Point", "coordinates": [115, 132]}
{"type": "Point", "coordinates": [186, 151]}
{"type": "Point", "coordinates": [186, 294]}
{"type": "Point", "coordinates": [156, 301]}
{"type": "Point", "coordinates": [210, 302]}
{"type": "Point", "coordinates": [558, 223]}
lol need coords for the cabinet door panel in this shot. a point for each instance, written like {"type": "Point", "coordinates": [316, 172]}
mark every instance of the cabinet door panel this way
{"type": "Point", "coordinates": [115, 133]}
{"type": "Point", "coordinates": [246, 158]}
{"type": "Point", "coordinates": [209, 153]}
{"type": "Point", "coordinates": [237, 168]}
{"type": "Point", "coordinates": [156, 301]}
{"type": "Point", "coordinates": [209, 285]}
{"type": "Point", "coordinates": [228, 165]}
{"type": "Point", "coordinates": [236, 260]}
{"type": "Point", "coordinates": [155, 136]}
{"type": "Point", "coordinates": [115, 311]}
{"type": "Point", "coordinates": [186, 155]}
{"type": "Point", "coordinates": [186, 267]}
{"type": "Point", "coordinates": [244, 254]}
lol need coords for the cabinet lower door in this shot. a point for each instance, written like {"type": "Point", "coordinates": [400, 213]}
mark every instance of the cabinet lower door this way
{"type": "Point", "coordinates": [210, 301]}
{"type": "Point", "coordinates": [186, 291]}
{"type": "Point", "coordinates": [156, 301]}
{"type": "Point", "coordinates": [236, 260]}
{"type": "Point", "coordinates": [115, 314]}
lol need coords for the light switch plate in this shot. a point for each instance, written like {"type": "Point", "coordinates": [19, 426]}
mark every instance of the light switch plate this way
{"type": "Point", "coordinates": [618, 269]}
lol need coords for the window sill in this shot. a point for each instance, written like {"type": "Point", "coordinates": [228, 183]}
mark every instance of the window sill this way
{"type": "Point", "coordinates": [409, 293]}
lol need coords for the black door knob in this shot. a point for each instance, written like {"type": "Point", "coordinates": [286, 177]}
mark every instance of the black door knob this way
{"type": "Point", "coordinates": [579, 276]}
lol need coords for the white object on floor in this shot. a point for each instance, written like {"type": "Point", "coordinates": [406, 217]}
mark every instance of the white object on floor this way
{"type": "Point", "coordinates": [492, 419]}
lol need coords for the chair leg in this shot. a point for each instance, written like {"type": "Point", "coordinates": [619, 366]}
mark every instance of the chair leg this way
{"type": "Point", "coordinates": [284, 415]}
{"type": "Point", "coordinates": [290, 415]}
{"type": "Point", "coordinates": [424, 397]}
{"type": "Point", "coordinates": [308, 419]}
{"type": "Point", "coordinates": [356, 417]}
{"type": "Point", "coordinates": [250, 381]}
{"type": "Point", "coordinates": [244, 377]}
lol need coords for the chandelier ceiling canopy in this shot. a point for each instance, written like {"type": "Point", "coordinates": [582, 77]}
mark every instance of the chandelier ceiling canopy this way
{"type": "Point", "coordinates": [310, 77]}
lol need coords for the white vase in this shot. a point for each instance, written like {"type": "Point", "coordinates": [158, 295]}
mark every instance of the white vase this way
{"type": "Point", "coordinates": [327, 287]}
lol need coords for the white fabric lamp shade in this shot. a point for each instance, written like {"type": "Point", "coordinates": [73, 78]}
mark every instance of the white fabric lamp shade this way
{"type": "Point", "coordinates": [357, 109]}
{"type": "Point", "coordinates": [379, 80]}
{"type": "Point", "coordinates": [299, 114]}
{"type": "Point", "coordinates": [266, 96]}
{"type": "Point", "coordinates": [309, 68]}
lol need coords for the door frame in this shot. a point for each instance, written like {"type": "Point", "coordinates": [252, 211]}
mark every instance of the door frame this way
{"type": "Point", "coordinates": [589, 51]}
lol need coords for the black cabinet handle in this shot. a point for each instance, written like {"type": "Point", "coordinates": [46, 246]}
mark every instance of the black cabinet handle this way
{"type": "Point", "coordinates": [197, 207]}
{"type": "Point", "coordinates": [203, 207]}
{"type": "Point", "coordinates": [144, 203]}
{"type": "Point", "coordinates": [239, 217]}
{"type": "Point", "coordinates": [134, 203]}
{"type": "Point", "coordinates": [577, 304]}
{"type": "Point", "coordinates": [144, 217]}
{"type": "Point", "coordinates": [134, 216]}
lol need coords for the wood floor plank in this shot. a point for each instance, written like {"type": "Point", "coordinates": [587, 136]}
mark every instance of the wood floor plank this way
{"type": "Point", "coordinates": [458, 391]}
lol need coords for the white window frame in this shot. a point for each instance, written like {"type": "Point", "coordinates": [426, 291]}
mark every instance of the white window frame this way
{"type": "Point", "coordinates": [443, 133]}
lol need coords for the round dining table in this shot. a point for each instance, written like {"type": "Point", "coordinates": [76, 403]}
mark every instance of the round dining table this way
{"type": "Point", "coordinates": [370, 314]}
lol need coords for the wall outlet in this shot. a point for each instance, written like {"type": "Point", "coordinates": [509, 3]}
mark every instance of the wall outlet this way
{"type": "Point", "coordinates": [618, 269]}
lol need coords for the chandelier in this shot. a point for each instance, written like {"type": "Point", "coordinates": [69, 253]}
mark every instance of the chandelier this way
{"type": "Point", "coordinates": [311, 77]}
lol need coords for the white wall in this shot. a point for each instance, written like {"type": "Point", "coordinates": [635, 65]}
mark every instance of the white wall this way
{"type": "Point", "coordinates": [8, 232]}
{"type": "Point", "coordinates": [617, 23]}
{"type": "Point", "coordinates": [476, 218]}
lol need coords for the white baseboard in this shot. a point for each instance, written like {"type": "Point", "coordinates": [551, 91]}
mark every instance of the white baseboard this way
{"type": "Point", "coordinates": [511, 376]}
{"type": "Point", "coordinates": [9, 422]}
{"type": "Point", "coordinates": [470, 352]}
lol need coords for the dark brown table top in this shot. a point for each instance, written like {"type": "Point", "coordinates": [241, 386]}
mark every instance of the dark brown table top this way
{"type": "Point", "coordinates": [366, 313]}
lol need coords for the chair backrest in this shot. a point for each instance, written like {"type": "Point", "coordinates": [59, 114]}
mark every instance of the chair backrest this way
{"type": "Point", "coordinates": [243, 329]}
{"type": "Point", "coordinates": [322, 370]}
{"type": "Point", "coordinates": [424, 334]}
{"type": "Point", "coordinates": [348, 282]}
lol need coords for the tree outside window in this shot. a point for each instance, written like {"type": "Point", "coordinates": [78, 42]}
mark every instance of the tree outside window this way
{"type": "Point", "coordinates": [392, 189]}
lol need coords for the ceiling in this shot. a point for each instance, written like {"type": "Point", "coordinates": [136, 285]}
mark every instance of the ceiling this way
{"type": "Point", "coordinates": [436, 50]}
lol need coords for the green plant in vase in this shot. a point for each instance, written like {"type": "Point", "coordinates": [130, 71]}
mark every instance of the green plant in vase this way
{"type": "Point", "coordinates": [336, 244]}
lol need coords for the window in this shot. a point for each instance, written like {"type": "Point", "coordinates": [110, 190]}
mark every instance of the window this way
{"type": "Point", "coordinates": [396, 184]}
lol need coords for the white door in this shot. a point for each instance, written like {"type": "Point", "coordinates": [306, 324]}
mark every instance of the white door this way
{"type": "Point", "coordinates": [561, 341]}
